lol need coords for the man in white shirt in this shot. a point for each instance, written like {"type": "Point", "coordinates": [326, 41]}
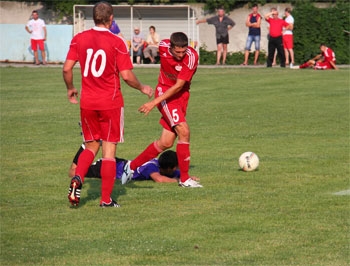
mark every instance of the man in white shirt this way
{"type": "Point", "coordinates": [37, 29]}
{"type": "Point", "coordinates": [288, 42]}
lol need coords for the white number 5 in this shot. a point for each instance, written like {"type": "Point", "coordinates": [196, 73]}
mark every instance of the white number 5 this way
{"type": "Point", "coordinates": [175, 116]}
{"type": "Point", "coordinates": [96, 73]}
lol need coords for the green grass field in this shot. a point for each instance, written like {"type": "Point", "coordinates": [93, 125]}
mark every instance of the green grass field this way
{"type": "Point", "coordinates": [286, 213]}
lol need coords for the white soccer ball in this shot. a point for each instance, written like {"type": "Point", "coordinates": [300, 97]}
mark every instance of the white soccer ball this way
{"type": "Point", "coordinates": [248, 161]}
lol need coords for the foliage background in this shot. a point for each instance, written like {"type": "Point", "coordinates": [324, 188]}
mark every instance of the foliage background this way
{"type": "Point", "coordinates": [312, 25]}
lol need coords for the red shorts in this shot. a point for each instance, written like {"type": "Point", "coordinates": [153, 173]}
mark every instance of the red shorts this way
{"type": "Point", "coordinates": [323, 65]}
{"type": "Point", "coordinates": [35, 43]}
{"type": "Point", "coordinates": [288, 41]}
{"type": "Point", "coordinates": [173, 110]}
{"type": "Point", "coordinates": [105, 125]}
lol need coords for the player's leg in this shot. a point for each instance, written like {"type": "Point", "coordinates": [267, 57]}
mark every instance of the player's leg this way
{"type": "Point", "coordinates": [218, 53]}
{"type": "Point", "coordinates": [42, 50]}
{"type": "Point", "coordinates": [271, 52]}
{"type": "Point", "coordinates": [285, 45]}
{"type": "Point", "coordinates": [111, 134]}
{"type": "Point", "coordinates": [108, 173]}
{"type": "Point", "coordinates": [224, 53]}
{"type": "Point", "coordinates": [34, 46]}
{"type": "Point", "coordinates": [90, 129]}
{"type": "Point", "coordinates": [247, 49]}
{"type": "Point", "coordinates": [257, 48]}
{"type": "Point", "coordinates": [73, 166]}
{"type": "Point", "coordinates": [280, 52]}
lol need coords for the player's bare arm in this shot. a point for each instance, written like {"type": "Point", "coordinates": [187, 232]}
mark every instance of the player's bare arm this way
{"type": "Point", "coordinates": [72, 92]}
{"type": "Point", "coordinates": [158, 178]}
{"type": "Point", "coordinates": [147, 107]}
{"type": "Point", "coordinates": [333, 65]}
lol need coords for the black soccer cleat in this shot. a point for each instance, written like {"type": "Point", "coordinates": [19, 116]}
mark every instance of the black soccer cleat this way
{"type": "Point", "coordinates": [74, 190]}
{"type": "Point", "coordinates": [113, 203]}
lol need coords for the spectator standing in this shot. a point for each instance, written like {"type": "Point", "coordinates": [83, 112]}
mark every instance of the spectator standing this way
{"type": "Point", "coordinates": [288, 42]}
{"type": "Point", "coordinates": [178, 64]}
{"type": "Point", "coordinates": [275, 37]}
{"type": "Point", "coordinates": [38, 33]}
{"type": "Point", "coordinates": [103, 57]}
{"type": "Point", "coordinates": [222, 25]}
{"type": "Point", "coordinates": [253, 21]}
{"type": "Point", "coordinates": [138, 41]}
{"type": "Point", "coordinates": [151, 51]}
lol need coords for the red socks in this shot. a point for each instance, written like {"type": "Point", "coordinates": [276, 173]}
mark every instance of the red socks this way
{"type": "Point", "coordinates": [305, 65]}
{"type": "Point", "coordinates": [149, 153]}
{"type": "Point", "coordinates": [108, 174]}
{"type": "Point", "coordinates": [85, 160]}
{"type": "Point", "coordinates": [183, 157]}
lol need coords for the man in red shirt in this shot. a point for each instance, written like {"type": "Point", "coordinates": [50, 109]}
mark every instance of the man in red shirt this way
{"type": "Point", "coordinates": [323, 61]}
{"type": "Point", "coordinates": [178, 64]}
{"type": "Point", "coordinates": [275, 38]}
{"type": "Point", "coordinates": [102, 56]}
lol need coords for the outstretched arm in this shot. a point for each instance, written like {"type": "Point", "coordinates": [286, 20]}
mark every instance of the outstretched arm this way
{"type": "Point", "coordinates": [147, 107]}
{"type": "Point", "coordinates": [158, 178]}
{"type": "Point", "coordinates": [199, 21]}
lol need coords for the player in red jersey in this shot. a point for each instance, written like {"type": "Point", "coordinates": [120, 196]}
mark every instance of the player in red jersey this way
{"type": "Point", "coordinates": [178, 64]}
{"type": "Point", "coordinates": [323, 61]}
{"type": "Point", "coordinates": [102, 56]}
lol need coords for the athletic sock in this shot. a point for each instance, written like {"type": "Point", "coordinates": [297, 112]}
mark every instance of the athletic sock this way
{"type": "Point", "coordinates": [85, 160]}
{"type": "Point", "coordinates": [305, 65]}
{"type": "Point", "coordinates": [108, 174]}
{"type": "Point", "coordinates": [183, 157]}
{"type": "Point", "coordinates": [149, 153]}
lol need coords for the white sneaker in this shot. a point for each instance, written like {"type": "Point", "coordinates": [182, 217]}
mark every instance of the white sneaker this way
{"type": "Point", "coordinates": [127, 173]}
{"type": "Point", "coordinates": [295, 67]}
{"type": "Point", "coordinates": [189, 183]}
{"type": "Point", "coordinates": [291, 65]}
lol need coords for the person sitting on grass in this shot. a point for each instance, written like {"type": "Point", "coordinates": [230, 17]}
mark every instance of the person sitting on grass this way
{"type": "Point", "coordinates": [325, 60]}
{"type": "Point", "coordinates": [161, 170]}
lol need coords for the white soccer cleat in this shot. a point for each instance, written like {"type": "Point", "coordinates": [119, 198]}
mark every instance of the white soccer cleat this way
{"type": "Point", "coordinates": [127, 173]}
{"type": "Point", "coordinates": [295, 67]}
{"type": "Point", "coordinates": [190, 183]}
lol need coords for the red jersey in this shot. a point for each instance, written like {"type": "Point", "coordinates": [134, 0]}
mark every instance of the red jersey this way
{"type": "Point", "coordinates": [172, 69]}
{"type": "Point", "coordinates": [328, 55]}
{"type": "Point", "coordinates": [102, 55]}
{"type": "Point", "coordinates": [276, 26]}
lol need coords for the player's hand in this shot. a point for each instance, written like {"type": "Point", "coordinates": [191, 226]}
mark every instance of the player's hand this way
{"type": "Point", "coordinates": [72, 95]}
{"type": "Point", "coordinates": [147, 90]}
{"type": "Point", "coordinates": [146, 108]}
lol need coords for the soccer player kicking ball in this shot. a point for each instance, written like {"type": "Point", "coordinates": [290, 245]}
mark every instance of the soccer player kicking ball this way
{"type": "Point", "coordinates": [102, 56]}
{"type": "Point", "coordinates": [178, 64]}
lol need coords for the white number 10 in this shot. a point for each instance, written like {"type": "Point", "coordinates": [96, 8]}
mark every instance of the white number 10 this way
{"type": "Point", "coordinates": [96, 73]}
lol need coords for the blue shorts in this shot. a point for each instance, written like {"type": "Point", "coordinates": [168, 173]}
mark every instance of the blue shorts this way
{"type": "Point", "coordinates": [250, 40]}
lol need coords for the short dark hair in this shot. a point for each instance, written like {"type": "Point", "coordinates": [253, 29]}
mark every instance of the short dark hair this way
{"type": "Point", "coordinates": [102, 12]}
{"type": "Point", "coordinates": [35, 11]}
{"type": "Point", "coordinates": [255, 5]}
{"type": "Point", "coordinates": [178, 39]}
{"type": "Point", "coordinates": [288, 9]}
{"type": "Point", "coordinates": [322, 44]}
{"type": "Point", "coordinates": [168, 159]}
{"type": "Point", "coordinates": [152, 27]}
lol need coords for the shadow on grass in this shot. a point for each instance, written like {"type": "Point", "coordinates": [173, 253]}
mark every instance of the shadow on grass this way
{"type": "Point", "coordinates": [93, 187]}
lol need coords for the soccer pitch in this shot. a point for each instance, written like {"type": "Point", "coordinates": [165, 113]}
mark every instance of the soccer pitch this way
{"type": "Point", "coordinates": [294, 210]}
